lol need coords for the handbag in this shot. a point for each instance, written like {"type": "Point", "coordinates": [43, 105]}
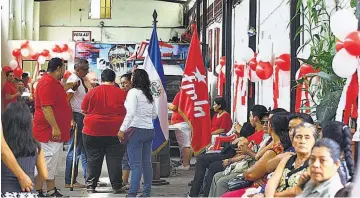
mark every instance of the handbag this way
{"type": "Point", "coordinates": [239, 183]}
{"type": "Point", "coordinates": [128, 132]}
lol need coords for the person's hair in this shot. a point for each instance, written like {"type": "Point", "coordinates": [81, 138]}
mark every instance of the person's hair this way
{"type": "Point", "coordinates": [332, 146]}
{"type": "Point", "coordinates": [259, 111]}
{"type": "Point", "coordinates": [9, 72]}
{"type": "Point", "coordinates": [247, 130]}
{"type": "Point", "coordinates": [220, 101]}
{"type": "Point", "coordinates": [24, 75]}
{"type": "Point", "coordinates": [277, 110]}
{"type": "Point", "coordinates": [79, 62]}
{"type": "Point", "coordinates": [54, 63]}
{"type": "Point", "coordinates": [108, 75]}
{"type": "Point", "coordinates": [42, 70]}
{"type": "Point", "coordinates": [116, 85]}
{"type": "Point", "coordinates": [127, 76]}
{"type": "Point", "coordinates": [307, 125]}
{"type": "Point", "coordinates": [341, 133]}
{"type": "Point", "coordinates": [302, 116]}
{"type": "Point", "coordinates": [17, 128]}
{"type": "Point", "coordinates": [141, 81]}
{"type": "Point", "coordinates": [280, 123]}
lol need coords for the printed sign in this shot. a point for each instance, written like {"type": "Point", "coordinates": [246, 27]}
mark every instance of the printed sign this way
{"type": "Point", "coordinates": [81, 35]}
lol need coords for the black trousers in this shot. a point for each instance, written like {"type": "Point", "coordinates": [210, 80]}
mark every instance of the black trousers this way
{"type": "Point", "coordinates": [96, 147]}
{"type": "Point", "coordinates": [211, 161]}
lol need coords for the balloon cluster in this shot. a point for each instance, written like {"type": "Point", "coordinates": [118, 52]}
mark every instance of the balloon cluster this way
{"type": "Point", "coordinates": [345, 62]}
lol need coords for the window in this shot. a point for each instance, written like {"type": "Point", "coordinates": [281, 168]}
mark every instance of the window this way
{"type": "Point", "coordinates": [100, 9]}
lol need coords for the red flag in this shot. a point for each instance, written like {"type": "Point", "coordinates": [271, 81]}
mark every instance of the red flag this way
{"type": "Point", "coordinates": [194, 105]}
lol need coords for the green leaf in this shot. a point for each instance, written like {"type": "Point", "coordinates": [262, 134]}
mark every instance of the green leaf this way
{"type": "Point", "coordinates": [326, 110]}
{"type": "Point", "coordinates": [325, 76]}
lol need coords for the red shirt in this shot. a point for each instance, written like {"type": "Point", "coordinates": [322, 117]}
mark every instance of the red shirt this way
{"type": "Point", "coordinates": [257, 137]}
{"type": "Point", "coordinates": [222, 122]}
{"type": "Point", "coordinates": [50, 92]}
{"type": "Point", "coordinates": [105, 110]}
{"type": "Point", "coordinates": [8, 88]}
{"type": "Point", "coordinates": [176, 117]}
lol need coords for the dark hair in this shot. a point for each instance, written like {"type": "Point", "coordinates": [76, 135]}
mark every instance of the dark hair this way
{"type": "Point", "coordinates": [259, 111]}
{"type": "Point", "coordinates": [24, 75]}
{"type": "Point", "coordinates": [79, 62]}
{"type": "Point", "coordinates": [341, 134]}
{"type": "Point", "coordinates": [54, 63]}
{"type": "Point", "coordinates": [277, 110]}
{"type": "Point", "coordinates": [42, 70]}
{"type": "Point", "coordinates": [9, 72]}
{"type": "Point", "coordinates": [17, 123]}
{"type": "Point", "coordinates": [117, 85]}
{"type": "Point", "coordinates": [127, 76]}
{"type": "Point", "coordinates": [141, 81]}
{"type": "Point", "coordinates": [280, 124]}
{"type": "Point", "coordinates": [332, 146]}
{"type": "Point", "coordinates": [247, 130]}
{"type": "Point", "coordinates": [302, 116]}
{"type": "Point", "coordinates": [220, 101]}
{"type": "Point", "coordinates": [108, 75]}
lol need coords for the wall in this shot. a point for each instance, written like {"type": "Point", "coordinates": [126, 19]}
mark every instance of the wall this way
{"type": "Point", "coordinates": [131, 20]}
{"type": "Point", "coordinates": [4, 32]}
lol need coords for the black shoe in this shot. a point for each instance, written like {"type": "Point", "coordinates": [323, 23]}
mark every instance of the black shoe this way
{"type": "Point", "coordinates": [54, 193]}
{"type": "Point", "coordinates": [90, 190]}
{"type": "Point", "coordinates": [119, 191]}
{"type": "Point", "coordinates": [40, 193]}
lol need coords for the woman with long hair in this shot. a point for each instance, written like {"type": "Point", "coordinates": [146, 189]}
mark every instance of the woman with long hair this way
{"type": "Point", "coordinates": [138, 130]}
{"type": "Point", "coordinates": [278, 130]}
{"type": "Point", "coordinates": [340, 133]}
{"type": "Point", "coordinates": [17, 123]}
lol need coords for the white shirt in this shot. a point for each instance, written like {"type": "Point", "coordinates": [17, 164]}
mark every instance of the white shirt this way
{"type": "Point", "coordinates": [139, 112]}
{"type": "Point", "coordinates": [79, 94]}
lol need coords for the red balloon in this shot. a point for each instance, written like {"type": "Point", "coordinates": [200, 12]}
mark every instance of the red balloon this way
{"type": "Point", "coordinates": [18, 72]}
{"type": "Point", "coordinates": [283, 62]}
{"type": "Point", "coordinates": [352, 43]}
{"type": "Point", "coordinates": [339, 45]}
{"type": "Point", "coordinates": [253, 63]}
{"type": "Point", "coordinates": [45, 53]}
{"type": "Point", "coordinates": [64, 48]}
{"type": "Point", "coordinates": [25, 44]}
{"type": "Point", "coordinates": [239, 70]}
{"type": "Point", "coordinates": [6, 68]}
{"type": "Point", "coordinates": [56, 49]}
{"type": "Point", "coordinates": [67, 74]}
{"type": "Point", "coordinates": [16, 52]}
{"type": "Point", "coordinates": [307, 69]}
{"type": "Point", "coordinates": [264, 70]}
{"type": "Point", "coordinates": [34, 56]}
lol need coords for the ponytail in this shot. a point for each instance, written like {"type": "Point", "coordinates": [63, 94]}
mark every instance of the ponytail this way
{"type": "Point", "coordinates": [346, 145]}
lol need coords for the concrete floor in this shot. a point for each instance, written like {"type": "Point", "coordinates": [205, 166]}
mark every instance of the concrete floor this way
{"type": "Point", "coordinates": [178, 186]}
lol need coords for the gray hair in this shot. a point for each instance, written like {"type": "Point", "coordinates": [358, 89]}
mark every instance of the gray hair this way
{"type": "Point", "coordinates": [307, 125]}
{"type": "Point", "coordinates": [80, 62]}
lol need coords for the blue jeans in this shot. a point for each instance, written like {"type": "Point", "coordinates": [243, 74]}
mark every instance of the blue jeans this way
{"type": "Point", "coordinates": [139, 152]}
{"type": "Point", "coordinates": [80, 153]}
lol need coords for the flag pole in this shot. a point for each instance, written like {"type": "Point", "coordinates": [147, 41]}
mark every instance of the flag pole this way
{"type": "Point", "coordinates": [156, 181]}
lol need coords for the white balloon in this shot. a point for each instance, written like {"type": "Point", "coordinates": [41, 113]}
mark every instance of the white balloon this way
{"type": "Point", "coordinates": [246, 54]}
{"type": "Point", "coordinates": [284, 78]}
{"type": "Point", "coordinates": [25, 52]}
{"type": "Point", "coordinates": [343, 22]}
{"type": "Point", "coordinates": [297, 74]}
{"type": "Point", "coordinates": [66, 55]}
{"type": "Point", "coordinates": [13, 64]}
{"type": "Point", "coordinates": [217, 69]}
{"type": "Point", "coordinates": [304, 52]}
{"type": "Point", "coordinates": [41, 60]}
{"type": "Point", "coordinates": [254, 78]}
{"type": "Point", "coordinates": [344, 64]}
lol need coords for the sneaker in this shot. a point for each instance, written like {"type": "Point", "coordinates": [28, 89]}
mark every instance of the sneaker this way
{"type": "Point", "coordinates": [126, 186]}
{"type": "Point", "coordinates": [119, 191]}
{"type": "Point", "coordinates": [54, 193]}
{"type": "Point", "coordinates": [75, 185]}
{"type": "Point", "coordinates": [182, 167]}
{"type": "Point", "coordinates": [40, 193]}
{"type": "Point", "coordinates": [102, 184]}
{"type": "Point", "coordinates": [90, 190]}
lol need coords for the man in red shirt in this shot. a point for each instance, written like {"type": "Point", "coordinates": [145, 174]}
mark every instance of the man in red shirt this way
{"type": "Point", "coordinates": [52, 120]}
{"type": "Point", "coordinates": [9, 90]}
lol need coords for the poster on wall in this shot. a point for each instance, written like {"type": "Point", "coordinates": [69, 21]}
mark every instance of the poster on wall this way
{"type": "Point", "coordinates": [104, 55]}
{"type": "Point", "coordinates": [81, 36]}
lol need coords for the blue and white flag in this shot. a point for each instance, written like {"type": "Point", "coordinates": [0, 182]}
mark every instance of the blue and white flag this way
{"type": "Point", "coordinates": [153, 66]}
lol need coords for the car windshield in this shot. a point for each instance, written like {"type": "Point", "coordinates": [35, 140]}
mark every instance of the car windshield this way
{"type": "Point", "coordinates": [172, 86]}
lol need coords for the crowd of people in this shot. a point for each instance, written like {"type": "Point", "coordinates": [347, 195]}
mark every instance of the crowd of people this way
{"type": "Point", "coordinates": [275, 154]}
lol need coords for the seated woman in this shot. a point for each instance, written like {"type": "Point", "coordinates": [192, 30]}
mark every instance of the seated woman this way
{"type": "Point", "coordinates": [221, 122]}
{"type": "Point", "coordinates": [280, 141]}
{"type": "Point", "coordinates": [340, 133]}
{"type": "Point", "coordinates": [286, 176]}
{"type": "Point", "coordinates": [323, 165]}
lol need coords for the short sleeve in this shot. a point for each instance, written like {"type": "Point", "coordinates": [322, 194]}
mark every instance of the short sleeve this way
{"type": "Point", "coordinates": [47, 95]}
{"type": "Point", "coordinates": [226, 122]}
{"type": "Point", "coordinates": [7, 89]}
{"type": "Point", "coordinates": [176, 99]}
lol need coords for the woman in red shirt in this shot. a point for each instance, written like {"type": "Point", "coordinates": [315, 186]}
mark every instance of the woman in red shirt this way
{"type": "Point", "coordinates": [104, 112]}
{"type": "Point", "coordinates": [221, 122]}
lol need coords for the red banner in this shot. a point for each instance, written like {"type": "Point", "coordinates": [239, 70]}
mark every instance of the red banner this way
{"type": "Point", "coordinates": [194, 99]}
